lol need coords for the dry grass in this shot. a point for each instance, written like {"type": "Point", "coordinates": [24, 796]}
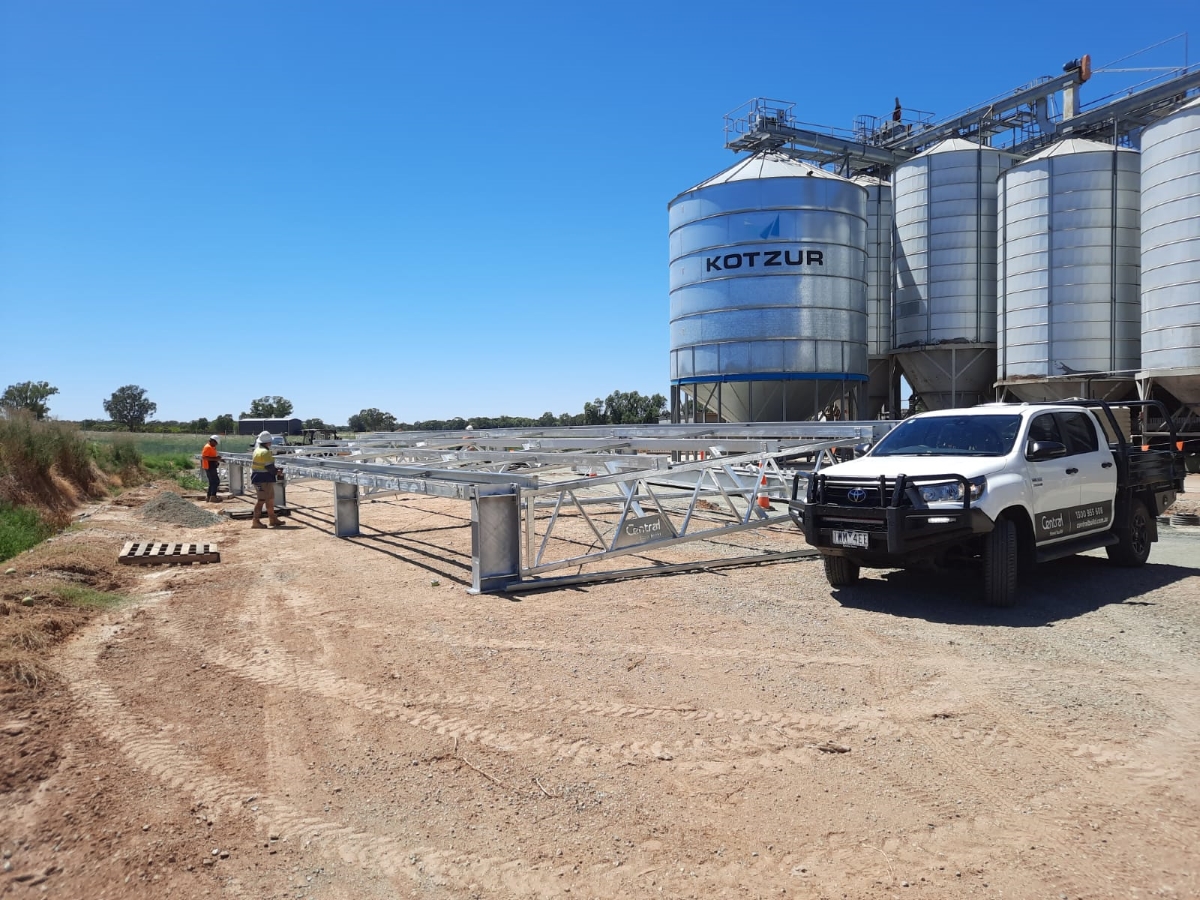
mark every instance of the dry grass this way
{"type": "Point", "coordinates": [67, 581]}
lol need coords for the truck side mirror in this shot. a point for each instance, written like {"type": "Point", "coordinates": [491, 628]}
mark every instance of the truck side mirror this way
{"type": "Point", "coordinates": [1036, 451]}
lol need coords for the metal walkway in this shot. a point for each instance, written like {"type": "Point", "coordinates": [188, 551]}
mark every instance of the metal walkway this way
{"type": "Point", "coordinates": [555, 500]}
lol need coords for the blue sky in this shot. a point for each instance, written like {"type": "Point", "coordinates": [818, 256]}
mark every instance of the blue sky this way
{"type": "Point", "coordinates": [433, 209]}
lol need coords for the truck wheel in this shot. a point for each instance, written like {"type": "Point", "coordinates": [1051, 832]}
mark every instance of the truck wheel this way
{"type": "Point", "coordinates": [1133, 548]}
{"type": "Point", "coordinates": [840, 572]}
{"type": "Point", "coordinates": [1001, 564]}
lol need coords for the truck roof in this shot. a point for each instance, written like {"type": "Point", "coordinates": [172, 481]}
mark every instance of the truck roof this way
{"type": "Point", "coordinates": [984, 409]}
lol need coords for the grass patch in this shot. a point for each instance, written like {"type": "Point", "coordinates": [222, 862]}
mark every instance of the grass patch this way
{"type": "Point", "coordinates": [88, 598]}
{"type": "Point", "coordinates": [168, 463]}
{"type": "Point", "coordinates": [170, 444]}
{"type": "Point", "coordinates": [190, 482]}
{"type": "Point", "coordinates": [180, 467]}
{"type": "Point", "coordinates": [20, 529]}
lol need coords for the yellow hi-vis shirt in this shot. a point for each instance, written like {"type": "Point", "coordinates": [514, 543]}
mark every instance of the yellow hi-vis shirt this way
{"type": "Point", "coordinates": [262, 466]}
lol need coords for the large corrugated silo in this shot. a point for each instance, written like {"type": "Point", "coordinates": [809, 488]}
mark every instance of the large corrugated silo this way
{"type": "Point", "coordinates": [768, 293]}
{"type": "Point", "coordinates": [1067, 273]}
{"type": "Point", "coordinates": [944, 313]}
{"type": "Point", "coordinates": [879, 293]}
{"type": "Point", "coordinates": [1171, 253]}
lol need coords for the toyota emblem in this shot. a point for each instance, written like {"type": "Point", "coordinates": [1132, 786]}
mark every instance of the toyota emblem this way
{"type": "Point", "coordinates": [856, 495]}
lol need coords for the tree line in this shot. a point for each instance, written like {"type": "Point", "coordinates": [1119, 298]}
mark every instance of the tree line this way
{"type": "Point", "coordinates": [129, 408]}
{"type": "Point", "coordinates": [618, 408]}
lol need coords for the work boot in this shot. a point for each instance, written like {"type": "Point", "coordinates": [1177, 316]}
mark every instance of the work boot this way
{"type": "Point", "coordinates": [257, 524]}
{"type": "Point", "coordinates": [276, 523]}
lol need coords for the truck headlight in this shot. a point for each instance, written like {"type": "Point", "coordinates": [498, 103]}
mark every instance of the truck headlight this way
{"type": "Point", "coordinates": [802, 482]}
{"type": "Point", "coordinates": [952, 491]}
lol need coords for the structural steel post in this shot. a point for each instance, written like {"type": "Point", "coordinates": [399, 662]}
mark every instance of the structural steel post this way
{"type": "Point", "coordinates": [345, 509]}
{"type": "Point", "coordinates": [495, 537]}
{"type": "Point", "coordinates": [237, 479]}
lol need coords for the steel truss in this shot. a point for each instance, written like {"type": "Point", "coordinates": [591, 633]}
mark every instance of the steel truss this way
{"type": "Point", "coordinates": [551, 499]}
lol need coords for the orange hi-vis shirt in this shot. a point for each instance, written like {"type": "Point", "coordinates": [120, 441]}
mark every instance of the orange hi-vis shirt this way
{"type": "Point", "coordinates": [208, 456]}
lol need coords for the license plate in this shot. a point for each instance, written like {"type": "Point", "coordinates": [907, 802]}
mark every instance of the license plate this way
{"type": "Point", "coordinates": [850, 539]}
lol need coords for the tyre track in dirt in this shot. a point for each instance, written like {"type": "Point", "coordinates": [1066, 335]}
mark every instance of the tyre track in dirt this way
{"type": "Point", "coordinates": [283, 670]}
{"type": "Point", "coordinates": [159, 753]}
{"type": "Point", "coordinates": [977, 785]}
{"type": "Point", "coordinates": [1073, 874]}
{"type": "Point", "coordinates": [163, 759]}
{"type": "Point", "coordinates": [1003, 699]}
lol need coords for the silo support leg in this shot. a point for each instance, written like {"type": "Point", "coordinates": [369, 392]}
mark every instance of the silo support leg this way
{"type": "Point", "coordinates": [495, 539]}
{"type": "Point", "coordinates": [345, 509]}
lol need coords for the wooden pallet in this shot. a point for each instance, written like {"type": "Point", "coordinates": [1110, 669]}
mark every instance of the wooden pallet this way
{"type": "Point", "coordinates": [242, 514]}
{"type": "Point", "coordinates": [152, 553]}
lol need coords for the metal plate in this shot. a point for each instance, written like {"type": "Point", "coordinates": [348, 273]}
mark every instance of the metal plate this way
{"type": "Point", "coordinates": [858, 539]}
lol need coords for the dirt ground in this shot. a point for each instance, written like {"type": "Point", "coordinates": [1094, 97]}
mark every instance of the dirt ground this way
{"type": "Point", "coordinates": [324, 718]}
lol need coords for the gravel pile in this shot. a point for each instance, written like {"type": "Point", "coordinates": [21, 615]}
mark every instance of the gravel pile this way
{"type": "Point", "coordinates": [172, 509]}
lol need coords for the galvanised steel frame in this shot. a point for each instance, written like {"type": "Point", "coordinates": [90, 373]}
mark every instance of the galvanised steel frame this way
{"type": "Point", "coordinates": [549, 499]}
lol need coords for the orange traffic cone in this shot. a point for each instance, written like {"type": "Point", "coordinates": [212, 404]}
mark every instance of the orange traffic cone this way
{"type": "Point", "coordinates": [763, 500]}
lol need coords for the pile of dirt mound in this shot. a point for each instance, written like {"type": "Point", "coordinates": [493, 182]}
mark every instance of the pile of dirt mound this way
{"type": "Point", "coordinates": [171, 509]}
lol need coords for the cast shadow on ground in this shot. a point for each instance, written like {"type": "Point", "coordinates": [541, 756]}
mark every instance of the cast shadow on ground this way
{"type": "Point", "coordinates": [1053, 592]}
{"type": "Point", "coordinates": [433, 558]}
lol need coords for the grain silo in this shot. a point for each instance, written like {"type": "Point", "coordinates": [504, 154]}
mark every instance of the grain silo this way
{"type": "Point", "coordinates": [768, 293]}
{"type": "Point", "coordinates": [1171, 253]}
{"type": "Point", "coordinates": [1068, 312]}
{"type": "Point", "coordinates": [944, 313]}
{"type": "Point", "coordinates": [879, 293]}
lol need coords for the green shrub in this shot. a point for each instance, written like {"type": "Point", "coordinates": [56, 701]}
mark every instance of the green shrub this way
{"type": "Point", "coordinates": [20, 529]}
{"type": "Point", "coordinates": [124, 453]}
{"type": "Point", "coordinates": [29, 449]}
{"type": "Point", "coordinates": [190, 482]}
{"type": "Point", "coordinates": [26, 449]}
{"type": "Point", "coordinates": [167, 463]}
{"type": "Point", "coordinates": [79, 595]}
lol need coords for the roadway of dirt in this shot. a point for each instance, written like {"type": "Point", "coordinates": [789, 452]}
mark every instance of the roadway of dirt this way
{"type": "Point", "coordinates": [324, 718]}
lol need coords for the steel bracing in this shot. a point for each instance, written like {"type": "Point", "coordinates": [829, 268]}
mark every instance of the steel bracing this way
{"type": "Point", "coordinates": [564, 500]}
{"type": "Point", "coordinates": [1020, 122]}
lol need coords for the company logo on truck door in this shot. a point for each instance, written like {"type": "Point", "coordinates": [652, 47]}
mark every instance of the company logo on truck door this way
{"type": "Point", "coordinates": [1058, 523]}
{"type": "Point", "coordinates": [728, 262]}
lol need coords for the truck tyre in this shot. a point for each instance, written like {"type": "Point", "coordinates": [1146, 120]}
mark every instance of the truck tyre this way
{"type": "Point", "coordinates": [1133, 546]}
{"type": "Point", "coordinates": [1001, 564]}
{"type": "Point", "coordinates": [840, 572]}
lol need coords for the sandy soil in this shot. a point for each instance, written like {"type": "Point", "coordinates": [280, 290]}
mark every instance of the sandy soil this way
{"type": "Point", "coordinates": [323, 718]}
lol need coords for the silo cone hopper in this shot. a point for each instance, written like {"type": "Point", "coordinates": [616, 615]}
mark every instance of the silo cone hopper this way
{"type": "Point", "coordinates": [1100, 386]}
{"type": "Point", "coordinates": [879, 370]}
{"type": "Point", "coordinates": [950, 376]}
{"type": "Point", "coordinates": [1182, 384]}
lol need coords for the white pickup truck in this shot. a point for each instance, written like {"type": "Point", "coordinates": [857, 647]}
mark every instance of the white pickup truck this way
{"type": "Point", "coordinates": [1008, 484]}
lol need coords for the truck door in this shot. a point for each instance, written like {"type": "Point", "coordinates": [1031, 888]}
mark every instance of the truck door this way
{"type": "Point", "coordinates": [1053, 484]}
{"type": "Point", "coordinates": [1097, 473]}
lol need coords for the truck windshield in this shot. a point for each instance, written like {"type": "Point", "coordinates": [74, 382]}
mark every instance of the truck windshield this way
{"type": "Point", "coordinates": [951, 436]}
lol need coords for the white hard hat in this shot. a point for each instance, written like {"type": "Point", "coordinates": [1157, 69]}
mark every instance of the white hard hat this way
{"type": "Point", "coordinates": [264, 437]}
{"type": "Point", "coordinates": [214, 439]}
